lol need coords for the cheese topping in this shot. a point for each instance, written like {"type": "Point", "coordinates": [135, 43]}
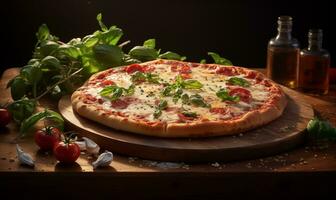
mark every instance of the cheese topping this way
{"type": "Point", "coordinates": [147, 95]}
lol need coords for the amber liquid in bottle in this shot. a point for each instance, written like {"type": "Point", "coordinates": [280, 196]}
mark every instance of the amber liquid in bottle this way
{"type": "Point", "coordinates": [314, 65]}
{"type": "Point", "coordinates": [283, 55]}
{"type": "Point", "coordinates": [282, 65]}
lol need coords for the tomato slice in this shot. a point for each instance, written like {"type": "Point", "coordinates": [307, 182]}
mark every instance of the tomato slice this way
{"type": "Point", "coordinates": [134, 68]}
{"type": "Point", "coordinates": [219, 110]}
{"type": "Point", "coordinates": [251, 75]}
{"type": "Point", "coordinates": [119, 104]}
{"type": "Point", "coordinates": [107, 82]}
{"type": "Point", "coordinates": [244, 94]}
{"type": "Point", "coordinates": [182, 69]}
{"type": "Point", "coordinates": [227, 71]}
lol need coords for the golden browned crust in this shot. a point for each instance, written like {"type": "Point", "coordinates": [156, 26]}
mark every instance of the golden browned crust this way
{"type": "Point", "coordinates": [252, 119]}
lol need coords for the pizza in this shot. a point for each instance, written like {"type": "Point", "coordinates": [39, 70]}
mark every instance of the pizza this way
{"type": "Point", "coordinates": [168, 98]}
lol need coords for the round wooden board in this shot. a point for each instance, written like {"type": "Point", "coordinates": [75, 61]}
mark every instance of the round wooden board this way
{"type": "Point", "coordinates": [280, 135]}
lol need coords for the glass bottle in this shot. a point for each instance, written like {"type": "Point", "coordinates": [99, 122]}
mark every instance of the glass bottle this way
{"type": "Point", "coordinates": [283, 55]}
{"type": "Point", "coordinates": [314, 65]}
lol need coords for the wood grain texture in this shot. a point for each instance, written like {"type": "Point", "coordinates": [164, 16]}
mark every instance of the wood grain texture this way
{"type": "Point", "coordinates": [304, 159]}
{"type": "Point", "coordinates": [282, 134]}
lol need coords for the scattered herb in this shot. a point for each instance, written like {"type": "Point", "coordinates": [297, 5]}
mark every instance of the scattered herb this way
{"type": "Point", "coordinates": [189, 114]}
{"type": "Point", "coordinates": [219, 60]}
{"type": "Point", "coordinates": [142, 77]}
{"type": "Point", "coordinates": [239, 81]}
{"type": "Point", "coordinates": [161, 106]}
{"type": "Point", "coordinates": [114, 92]}
{"type": "Point", "coordinates": [223, 94]}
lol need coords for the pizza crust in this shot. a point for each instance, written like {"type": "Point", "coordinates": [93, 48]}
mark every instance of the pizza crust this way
{"type": "Point", "coordinates": [247, 121]}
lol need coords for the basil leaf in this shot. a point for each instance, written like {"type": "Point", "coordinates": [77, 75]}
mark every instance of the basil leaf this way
{"type": "Point", "coordinates": [239, 81]}
{"type": "Point", "coordinates": [32, 73]}
{"type": "Point", "coordinates": [143, 53]}
{"type": "Point", "coordinates": [130, 90]}
{"type": "Point", "coordinates": [114, 92]}
{"type": "Point", "coordinates": [109, 55]}
{"type": "Point", "coordinates": [149, 77]}
{"type": "Point", "coordinates": [203, 61]}
{"type": "Point", "coordinates": [189, 114]}
{"type": "Point", "coordinates": [42, 33]}
{"type": "Point", "coordinates": [224, 96]}
{"type": "Point", "coordinates": [69, 51]}
{"type": "Point", "coordinates": [192, 84]}
{"type": "Point", "coordinates": [152, 78]}
{"type": "Point", "coordinates": [50, 63]}
{"type": "Point", "coordinates": [219, 60]}
{"type": "Point", "coordinates": [100, 22]}
{"type": "Point", "coordinates": [172, 56]}
{"type": "Point", "coordinates": [90, 41]}
{"type": "Point", "coordinates": [47, 114]}
{"type": "Point", "coordinates": [138, 76]}
{"type": "Point", "coordinates": [163, 104]}
{"type": "Point", "coordinates": [19, 87]}
{"type": "Point", "coordinates": [318, 129]}
{"type": "Point", "coordinates": [150, 43]}
{"type": "Point", "coordinates": [22, 109]}
{"type": "Point", "coordinates": [111, 92]}
{"type": "Point", "coordinates": [185, 98]}
{"type": "Point", "coordinates": [110, 37]}
{"type": "Point", "coordinates": [167, 91]}
{"type": "Point", "coordinates": [47, 47]}
{"type": "Point", "coordinates": [198, 100]}
{"type": "Point", "coordinates": [157, 113]}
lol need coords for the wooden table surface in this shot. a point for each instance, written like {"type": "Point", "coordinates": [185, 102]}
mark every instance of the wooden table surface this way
{"type": "Point", "coordinates": [302, 170]}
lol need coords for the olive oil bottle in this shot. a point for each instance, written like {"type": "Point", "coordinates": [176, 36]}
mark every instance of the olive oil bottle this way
{"type": "Point", "coordinates": [314, 65]}
{"type": "Point", "coordinates": [283, 55]}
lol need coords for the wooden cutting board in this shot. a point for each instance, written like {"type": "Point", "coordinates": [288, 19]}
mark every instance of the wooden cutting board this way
{"type": "Point", "coordinates": [280, 135]}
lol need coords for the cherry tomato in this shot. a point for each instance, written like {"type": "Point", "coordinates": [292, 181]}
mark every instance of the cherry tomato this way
{"type": "Point", "coordinates": [5, 117]}
{"type": "Point", "coordinates": [47, 137]}
{"type": "Point", "coordinates": [244, 94]}
{"type": "Point", "coordinates": [134, 68]}
{"type": "Point", "coordinates": [66, 151]}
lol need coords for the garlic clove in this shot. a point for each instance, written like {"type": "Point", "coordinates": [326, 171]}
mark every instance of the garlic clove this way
{"type": "Point", "coordinates": [103, 160]}
{"type": "Point", "coordinates": [91, 146]}
{"type": "Point", "coordinates": [24, 158]}
{"type": "Point", "coordinates": [81, 144]}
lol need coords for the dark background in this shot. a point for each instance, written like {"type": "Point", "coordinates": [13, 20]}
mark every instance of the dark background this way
{"type": "Point", "coordinates": [238, 30]}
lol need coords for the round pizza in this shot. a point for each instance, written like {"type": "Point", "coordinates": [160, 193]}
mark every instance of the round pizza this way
{"type": "Point", "coordinates": [168, 98]}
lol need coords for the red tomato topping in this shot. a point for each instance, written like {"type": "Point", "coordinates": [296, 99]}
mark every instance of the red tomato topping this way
{"type": "Point", "coordinates": [251, 75]}
{"type": "Point", "coordinates": [218, 110]}
{"type": "Point", "coordinates": [134, 68]}
{"type": "Point", "coordinates": [186, 76]}
{"type": "Point", "coordinates": [91, 98]}
{"type": "Point", "coordinates": [101, 101]}
{"type": "Point", "coordinates": [147, 68]}
{"type": "Point", "coordinates": [228, 71]}
{"type": "Point", "coordinates": [119, 104]}
{"type": "Point", "coordinates": [183, 118]}
{"type": "Point", "coordinates": [101, 76]}
{"type": "Point", "coordinates": [107, 82]}
{"type": "Point", "coordinates": [244, 94]}
{"type": "Point", "coordinates": [266, 83]}
{"type": "Point", "coordinates": [182, 69]}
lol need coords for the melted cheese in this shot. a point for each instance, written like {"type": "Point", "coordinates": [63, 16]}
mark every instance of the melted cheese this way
{"type": "Point", "coordinates": [148, 95]}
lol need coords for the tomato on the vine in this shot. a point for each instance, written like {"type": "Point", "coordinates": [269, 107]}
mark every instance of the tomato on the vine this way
{"type": "Point", "coordinates": [47, 137]}
{"type": "Point", "coordinates": [66, 151]}
{"type": "Point", "coordinates": [5, 117]}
